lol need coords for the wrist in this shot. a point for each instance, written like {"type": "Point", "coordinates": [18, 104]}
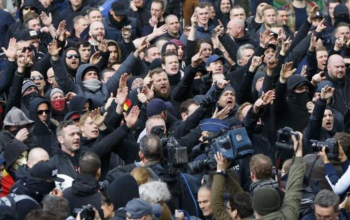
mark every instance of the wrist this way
{"type": "Point", "coordinates": [343, 158]}
{"type": "Point", "coordinates": [269, 72]}
{"type": "Point", "coordinates": [282, 53]}
{"type": "Point", "coordinates": [283, 81]}
{"type": "Point", "coordinates": [252, 69]}
{"type": "Point", "coordinates": [11, 59]}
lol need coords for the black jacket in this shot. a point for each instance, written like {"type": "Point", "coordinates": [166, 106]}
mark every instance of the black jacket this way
{"type": "Point", "coordinates": [84, 191]}
{"type": "Point", "coordinates": [43, 131]}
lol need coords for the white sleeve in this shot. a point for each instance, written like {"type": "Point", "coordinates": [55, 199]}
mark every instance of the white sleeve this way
{"type": "Point", "coordinates": [343, 183]}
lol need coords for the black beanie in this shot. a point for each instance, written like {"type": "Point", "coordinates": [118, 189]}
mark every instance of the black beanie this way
{"type": "Point", "coordinates": [258, 2]}
{"type": "Point", "coordinates": [266, 200]}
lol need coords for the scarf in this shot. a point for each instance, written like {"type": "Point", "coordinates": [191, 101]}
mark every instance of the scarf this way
{"type": "Point", "coordinates": [92, 84]}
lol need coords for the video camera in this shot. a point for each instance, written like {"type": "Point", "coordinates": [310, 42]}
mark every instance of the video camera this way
{"type": "Point", "coordinates": [233, 144]}
{"type": "Point", "coordinates": [175, 156]}
{"type": "Point", "coordinates": [331, 146]}
{"type": "Point", "coordinates": [86, 212]}
{"type": "Point", "coordinates": [284, 138]}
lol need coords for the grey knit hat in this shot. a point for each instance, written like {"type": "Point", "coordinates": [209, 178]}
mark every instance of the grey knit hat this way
{"type": "Point", "coordinates": [266, 200]}
{"type": "Point", "coordinates": [56, 90]}
{"type": "Point", "coordinates": [27, 84]}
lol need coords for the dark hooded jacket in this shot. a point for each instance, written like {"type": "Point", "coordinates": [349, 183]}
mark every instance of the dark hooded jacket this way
{"type": "Point", "coordinates": [44, 131]}
{"type": "Point", "coordinates": [113, 28]}
{"type": "Point", "coordinates": [84, 191]}
{"type": "Point", "coordinates": [119, 196]}
{"type": "Point", "coordinates": [19, 24]}
{"type": "Point", "coordinates": [290, 107]}
{"type": "Point", "coordinates": [8, 213]}
{"type": "Point", "coordinates": [77, 103]}
{"type": "Point", "coordinates": [36, 189]}
{"type": "Point", "coordinates": [224, 18]}
{"type": "Point", "coordinates": [69, 13]}
{"type": "Point", "coordinates": [72, 73]}
{"type": "Point", "coordinates": [15, 117]}
{"type": "Point", "coordinates": [100, 95]}
{"type": "Point", "coordinates": [12, 151]}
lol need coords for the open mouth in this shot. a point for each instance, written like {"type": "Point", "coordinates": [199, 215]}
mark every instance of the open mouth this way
{"type": "Point", "coordinates": [173, 69]}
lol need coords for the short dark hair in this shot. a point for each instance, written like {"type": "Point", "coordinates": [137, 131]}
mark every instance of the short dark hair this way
{"type": "Point", "coordinates": [344, 139]}
{"type": "Point", "coordinates": [82, 42]}
{"type": "Point", "coordinates": [161, 2]}
{"type": "Point", "coordinates": [261, 165]}
{"type": "Point", "coordinates": [242, 202]}
{"type": "Point", "coordinates": [155, 71]}
{"type": "Point", "coordinates": [36, 214]}
{"type": "Point", "coordinates": [108, 69]}
{"type": "Point", "coordinates": [57, 205]}
{"type": "Point", "coordinates": [202, 5]}
{"type": "Point", "coordinates": [202, 41]}
{"type": "Point", "coordinates": [168, 54]}
{"type": "Point", "coordinates": [184, 105]}
{"type": "Point", "coordinates": [282, 9]}
{"type": "Point", "coordinates": [326, 198]}
{"type": "Point", "coordinates": [62, 125]}
{"type": "Point", "coordinates": [148, 48]}
{"type": "Point", "coordinates": [89, 163]}
{"type": "Point", "coordinates": [206, 186]}
{"type": "Point", "coordinates": [151, 147]}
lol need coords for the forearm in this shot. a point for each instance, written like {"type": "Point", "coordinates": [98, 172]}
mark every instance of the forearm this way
{"type": "Point", "coordinates": [217, 202]}
{"type": "Point", "coordinates": [340, 186]}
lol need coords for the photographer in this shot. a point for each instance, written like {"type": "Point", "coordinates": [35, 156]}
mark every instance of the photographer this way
{"type": "Point", "coordinates": [321, 122]}
{"type": "Point", "coordinates": [84, 190]}
{"type": "Point", "coordinates": [339, 186]}
{"type": "Point", "coordinates": [233, 210]}
{"type": "Point", "coordinates": [266, 201]}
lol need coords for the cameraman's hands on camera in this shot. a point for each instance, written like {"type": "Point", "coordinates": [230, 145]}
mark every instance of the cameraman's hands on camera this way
{"type": "Point", "coordinates": [97, 215]}
{"type": "Point", "coordinates": [324, 157]}
{"type": "Point", "coordinates": [298, 144]}
{"type": "Point", "coordinates": [221, 162]}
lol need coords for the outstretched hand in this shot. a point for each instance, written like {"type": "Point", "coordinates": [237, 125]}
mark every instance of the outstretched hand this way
{"type": "Point", "coordinates": [132, 117]}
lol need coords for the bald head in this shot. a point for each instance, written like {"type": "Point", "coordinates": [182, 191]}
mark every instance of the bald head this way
{"type": "Point", "coordinates": [235, 28]}
{"type": "Point", "coordinates": [97, 31]}
{"type": "Point", "coordinates": [37, 155]}
{"type": "Point", "coordinates": [336, 67]}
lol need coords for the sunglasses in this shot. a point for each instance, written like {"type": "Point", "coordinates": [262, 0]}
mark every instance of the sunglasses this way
{"type": "Point", "coordinates": [29, 8]}
{"type": "Point", "coordinates": [70, 56]}
{"type": "Point", "coordinates": [40, 112]}
{"type": "Point", "coordinates": [36, 78]}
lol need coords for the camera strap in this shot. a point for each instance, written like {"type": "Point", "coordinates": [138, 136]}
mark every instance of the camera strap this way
{"type": "Point", "coordinates": [277, 165]}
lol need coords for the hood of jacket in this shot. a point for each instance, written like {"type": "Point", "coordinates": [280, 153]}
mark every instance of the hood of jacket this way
{"type": "Point", "coordinates": [117, 193]}
{"type": "Point", "coordinates": [12, 151]}
{"type": "Point", "coordinates": [77, 103]}
{"type": "Point", "coordinates": [8, 213]}
{"type": "Point", "coordinates": [63, 58]}
{"type": "Point", "coordinates": [82, 70]}
{"type": "Point", "coordinates": [40, 127]}
{"type": "Point", "coordinates": [85, 185]}
{"type": "Point", "coordinates": [15, 117]}
{"type": "Point", "coordinates": [31, 3]}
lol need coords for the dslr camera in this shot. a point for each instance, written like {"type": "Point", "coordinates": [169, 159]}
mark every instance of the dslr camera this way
{"type": "Point", "coordinates": [86, 212]}
{"type": "Point", "coordinates": [331, 146]}
{"type": "Point", "coordinates": [284, 138]}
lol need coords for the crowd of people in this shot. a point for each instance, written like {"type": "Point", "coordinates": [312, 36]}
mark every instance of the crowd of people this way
{"type": "Point", "coordinates": [169, 109]}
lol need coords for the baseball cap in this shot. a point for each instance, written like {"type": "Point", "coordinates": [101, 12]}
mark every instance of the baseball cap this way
{"type": "Point", "coordinates": [156, 106]}
{"type": "Point", "coordinates": [26, 34]}
{"type": "Point", "coordinates": [137, 208]}
{"type": "Point", "coordinates": [213, 125]}
{"type": "Point", "coordinates": [213, 58]}
{"type": "Point", "coordinates": [118, 8]}
{"type": "Point", "coordinates": [45, 171]}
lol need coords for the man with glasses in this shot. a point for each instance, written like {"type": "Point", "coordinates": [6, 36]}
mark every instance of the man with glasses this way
{"type": "Point", "coordinates": [327, 207]}
{"type": "Point", "coordinates": [28, 6]}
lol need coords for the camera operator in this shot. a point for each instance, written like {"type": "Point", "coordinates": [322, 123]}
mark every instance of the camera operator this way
{"type": "Point", "coordinates": [84, 190]}
{"type": "Point", "coordinates": [321, 122]}
{"type": "Point", "coordinates": [239, 205]}
{"type": "Point", "coordinates": [342, 185]}
{"type": "Point", "coordinates": [266, 201]}
{"type": "Point", "coordinates": [315, 167]}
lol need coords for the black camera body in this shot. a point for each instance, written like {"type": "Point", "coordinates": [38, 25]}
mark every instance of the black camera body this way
{"type": "Point", "coordinates": [86, 212]}
{"type": "Point", "coordinates": [233, 144]}
{"type": "Point", "coordinates": [331, 146]}
{"type": "Point", "coordinates": [284, 138]}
